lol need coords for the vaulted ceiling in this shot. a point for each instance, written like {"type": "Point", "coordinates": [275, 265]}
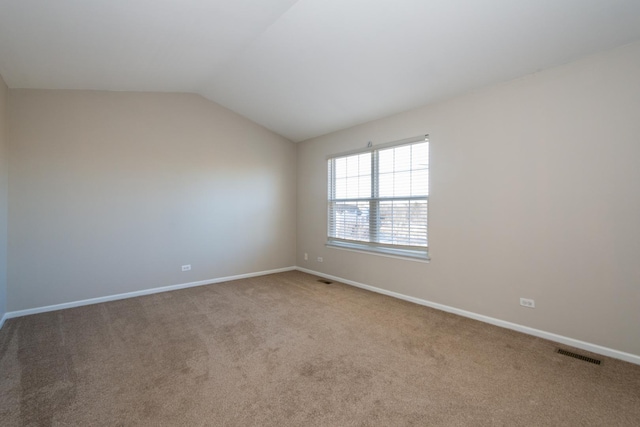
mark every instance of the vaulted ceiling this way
{"type": "Point", "coordinates": [302, 68]}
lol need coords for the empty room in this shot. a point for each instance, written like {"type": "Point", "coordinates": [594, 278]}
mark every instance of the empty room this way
{"type": "Point", "coordinates": [319, 213]}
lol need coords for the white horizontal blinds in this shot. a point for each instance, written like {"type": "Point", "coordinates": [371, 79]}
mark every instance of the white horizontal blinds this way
{"type": "Point", "coordinates": [350, 190]}
{"type": "Point", "coordinates": [381, 196]}
{"type": "Point", "coordinates": [403, 189]}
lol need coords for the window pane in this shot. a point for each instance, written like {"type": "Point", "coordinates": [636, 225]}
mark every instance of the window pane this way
{"type": "Point", "coordinates": [349, 220]}
{"type": "Point", "coordinates": [353, 164]}
{"type": "Point", "coordinates": [420, 156]}
{"type": "Point", "coordinates": [402, 184]}
{"type": "Point", "coordinates": [385, 161]}
{"type": "Point", "coordinates": [396, 166]}
{"type": "Point", "coordinates": [420, 182]}
{"type": "Point", "coordinates": [353, 184]}
{"type": "Point", "coordinates": [385, 185]}
{"type": "Point", "coordinates": [364, 186]}
{"type": "Point", "coordinates": [341, 167]}
{"type": "Point", "coordinates": [341, 188]}
{"type": "Point", "coordinates": [364, 163]}
{"type": "Point", "coordinates": [403, 223]}
{"type": "Point", "coordinates": [402, 158]}
{"type": "Point", "coordinates": [352, 177]}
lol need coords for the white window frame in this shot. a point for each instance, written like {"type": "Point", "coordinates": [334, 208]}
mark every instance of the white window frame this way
{"type": "Point", "coordinates": [419, 252]}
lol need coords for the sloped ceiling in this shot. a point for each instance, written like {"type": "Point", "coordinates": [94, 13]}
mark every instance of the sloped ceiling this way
{"type": "Point", "coordinates": [302, 68]}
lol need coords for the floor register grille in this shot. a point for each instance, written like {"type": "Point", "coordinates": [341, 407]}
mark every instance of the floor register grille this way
{"type": "Point", "coordinates": [579, 356]}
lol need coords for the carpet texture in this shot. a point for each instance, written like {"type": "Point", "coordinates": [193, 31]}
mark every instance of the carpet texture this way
{"type": "Point", "coordinates": [287, 350]}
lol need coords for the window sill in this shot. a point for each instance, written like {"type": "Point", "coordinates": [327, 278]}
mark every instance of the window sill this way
{"type": "Point", "coordinates": [404, 254]}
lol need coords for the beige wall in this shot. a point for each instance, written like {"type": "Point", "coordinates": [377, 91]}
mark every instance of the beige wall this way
{"type": "Point", "coordinates": [4, 200]}
{"type": "Point", "coordinates": [535, 192]}
{"type": "Point", "coordinates": [114, 192]}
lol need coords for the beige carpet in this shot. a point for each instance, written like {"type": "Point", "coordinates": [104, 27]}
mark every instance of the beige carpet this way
{"type": "Point", "coordinates": [286, 350]}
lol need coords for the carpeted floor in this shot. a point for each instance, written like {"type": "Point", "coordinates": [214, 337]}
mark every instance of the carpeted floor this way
{"type": "Point", "coordinates": [287, 350]}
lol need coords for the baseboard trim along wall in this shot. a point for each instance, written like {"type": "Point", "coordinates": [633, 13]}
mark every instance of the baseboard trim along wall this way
{"type": "Point", "coordinates": [594, 348]}
{"type": "Point", "coordinates": [27, 312]}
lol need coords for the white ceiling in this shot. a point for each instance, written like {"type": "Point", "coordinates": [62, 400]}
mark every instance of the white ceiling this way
{"type": "Point", "coordinates": [302, 68]}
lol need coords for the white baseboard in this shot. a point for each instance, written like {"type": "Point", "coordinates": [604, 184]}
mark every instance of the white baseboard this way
{"type": "Point", "coordinates": [594, 348]}
{"type": "Point", "coordinates": [19, 313]}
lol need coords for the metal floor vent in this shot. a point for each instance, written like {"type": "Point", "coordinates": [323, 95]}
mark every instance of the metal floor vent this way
{"type": "Point", "coordinates": [579, 356]}
{"type": "Point", "coordinates": [325, 281]}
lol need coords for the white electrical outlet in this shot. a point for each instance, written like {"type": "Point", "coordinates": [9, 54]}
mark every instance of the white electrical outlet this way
{"type": "Point", "coordinates": [526, 302]}
{"type": "Point", "coordinates": [320, 259]}
{"type": "Point", "coordinates": [186, 267]}
{"type": "Point", "coordinates": [306, 256]}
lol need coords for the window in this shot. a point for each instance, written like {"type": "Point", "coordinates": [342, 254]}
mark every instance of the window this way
{"type": "Point", "coordinates": [378, 199]}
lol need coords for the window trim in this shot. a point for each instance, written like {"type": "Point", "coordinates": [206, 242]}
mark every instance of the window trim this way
{"type": "Point", "coordinates": [395, 251]}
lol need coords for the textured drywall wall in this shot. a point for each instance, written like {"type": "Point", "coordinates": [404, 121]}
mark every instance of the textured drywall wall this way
{"type": "Point", "coordinates": [113, 192]}
{"type": "Point", "coordinates": [534, 193]}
